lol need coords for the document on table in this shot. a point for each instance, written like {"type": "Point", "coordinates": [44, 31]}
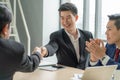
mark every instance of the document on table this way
{"type": "Point", "coordinates": [46, 63]}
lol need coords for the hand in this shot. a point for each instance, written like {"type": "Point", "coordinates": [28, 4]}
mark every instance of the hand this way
{"type": "Point", "coordinates": [97, 41]}
{"type": "Point", "coordinates": [96, 48]}
{"type": "Point", "coordinates": [93, 58]}
{"type": "Point", "coordinates": [44, 51]}
{"type": "Point", "coordinates": [36, 49]}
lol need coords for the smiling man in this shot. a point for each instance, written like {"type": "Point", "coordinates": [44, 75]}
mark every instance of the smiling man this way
{"type": "Point", "coordinates": [68, 43]}
{"type": "Point", "coordinates": [109, 55]}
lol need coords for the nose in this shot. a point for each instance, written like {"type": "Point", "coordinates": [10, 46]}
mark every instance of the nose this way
{"type": "Point", "coordinates": [65, 21]}
{"type": "Point", "coordinates": [106, 32]}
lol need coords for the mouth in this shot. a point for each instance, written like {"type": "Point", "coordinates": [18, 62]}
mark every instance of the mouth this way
{"type": "Point", "coordinates": [68, 25]}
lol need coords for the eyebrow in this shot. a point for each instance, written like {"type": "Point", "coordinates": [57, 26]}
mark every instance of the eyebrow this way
{"type": "Point", "coordinates": [108, 27]}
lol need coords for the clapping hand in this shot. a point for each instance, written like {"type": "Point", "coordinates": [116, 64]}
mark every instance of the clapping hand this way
{"type": "Point", "coordinates": [96, 49]}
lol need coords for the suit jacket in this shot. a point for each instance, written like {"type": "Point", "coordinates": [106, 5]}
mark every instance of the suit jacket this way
{"type": "Point", "coordinates": [13, 58]}
{"type": "Point", "coordinates": [61, 44]}
{"type": "Point", "coordinates": [110, 51]}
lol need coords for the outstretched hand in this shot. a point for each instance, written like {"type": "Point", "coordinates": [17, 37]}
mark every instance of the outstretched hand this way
{"type": "Point", "coordinates": [42, 50]}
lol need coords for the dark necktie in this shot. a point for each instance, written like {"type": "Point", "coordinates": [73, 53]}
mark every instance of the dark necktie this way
{"type": "Point", "coordinates": [117, 54]}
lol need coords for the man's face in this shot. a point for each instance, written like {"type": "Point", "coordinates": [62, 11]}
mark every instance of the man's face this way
{"type": "Point", "coordinates": [68, 20]}
{"type": "Point", "coordinates": [112, 34]}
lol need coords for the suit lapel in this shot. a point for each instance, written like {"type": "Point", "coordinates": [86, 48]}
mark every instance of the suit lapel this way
{"type": "Point", "coordinates": [81, 46]}
{"type": "Point", "coordinates": [70, 46]}
{"type": "Point", "coordinates": [111, 51]}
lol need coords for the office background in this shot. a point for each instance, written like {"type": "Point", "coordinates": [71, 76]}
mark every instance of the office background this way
{"type": "Point", "coordinates": [42, 18]}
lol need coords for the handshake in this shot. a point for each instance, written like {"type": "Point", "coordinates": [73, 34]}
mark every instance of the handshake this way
{"type": "Point", "coordinates": [42, 50]}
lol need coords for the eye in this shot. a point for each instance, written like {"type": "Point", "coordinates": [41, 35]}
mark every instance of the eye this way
{"type": "Point", "coordinates": [68, 17]}
{"type": "Point", "coordinates": [109, 29]}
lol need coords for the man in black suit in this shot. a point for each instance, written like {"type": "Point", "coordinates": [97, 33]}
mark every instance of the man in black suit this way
{"type": "Point", "coordinates": [69, 42]}
{"type": "Point", "coordinates": [12, 56]}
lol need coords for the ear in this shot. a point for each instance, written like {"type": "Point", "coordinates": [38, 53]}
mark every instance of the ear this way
{"type": "Point", "coordinates": [76, 17]}
{"type": "Point", "coordinates": [5, 30]}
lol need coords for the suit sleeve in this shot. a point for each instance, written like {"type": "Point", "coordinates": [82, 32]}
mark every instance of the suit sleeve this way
{"type": "Point", "coordinates": [52, 46]}
{"type": "Point", "coordinates": [111, 60]}
{"type": "Point", "coordinates": [88, 36]}
{"type": "Point", "coordinates": [29, 63]}
{"type": "Point", "coordinates": [109, 52]}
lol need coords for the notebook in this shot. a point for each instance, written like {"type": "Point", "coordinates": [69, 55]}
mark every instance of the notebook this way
{"type": "Point", "coordinates": [99, 73]}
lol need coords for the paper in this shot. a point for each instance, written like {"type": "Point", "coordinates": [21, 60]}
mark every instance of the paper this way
{"type": "Point", "coordinates": [46, 63]}
{"type": "Point", "coordinates": [77, 77]}
{"type": "Point", "coordinates": [48, 68]}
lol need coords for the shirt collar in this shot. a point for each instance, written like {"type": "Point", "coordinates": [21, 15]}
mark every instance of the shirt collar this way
{"type": "Point", "coordinates": [78, 36]}
{"type": "Point", "coordinates": [117, 47]}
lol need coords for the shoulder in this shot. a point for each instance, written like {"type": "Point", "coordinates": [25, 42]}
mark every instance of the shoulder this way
{"type": "Point", "coordinates": [110, 46]}
{"type": "Point", "coordinates": [86, 34]}
{"type": "Point", "coordinates": [57, 33]}
{"type": "Point", "coordinates": [12, 45]}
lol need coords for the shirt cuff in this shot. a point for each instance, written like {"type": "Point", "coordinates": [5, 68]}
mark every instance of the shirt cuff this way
{"type": "Point", "coordinates": [105, 60]}
{"type": "Point", "coordinates": [46, 55]}
{"type": "Point", "coordinates": [39, 52]}
{"type": "Point", "coordinates": [93, 63]}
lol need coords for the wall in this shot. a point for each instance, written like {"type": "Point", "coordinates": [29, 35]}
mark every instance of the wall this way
{"type": "Point", "coordinates": [63, 1]}
{"type": "Point", "coordinates": [42, 19]}
{"type": "Point", "coordinates": [33, 11]}
{"type": "Point", "coordinates": [50, 18]}
{"type": "Point", "coordinates": [50, 22]}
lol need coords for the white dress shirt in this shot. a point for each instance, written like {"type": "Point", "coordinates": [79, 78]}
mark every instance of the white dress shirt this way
{"type": "Point", "coordinates": [75, 43]}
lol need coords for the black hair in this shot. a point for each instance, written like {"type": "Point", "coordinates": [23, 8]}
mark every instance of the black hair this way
{"type": "Point", "coordinates": [68, 7]}
{"type": "Point", "coordinates": [5, 16]}
{"type": "Point", "coordinates": [115, 17]}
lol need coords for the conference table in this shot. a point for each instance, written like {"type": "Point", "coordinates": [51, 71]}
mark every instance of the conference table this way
{"type": "Point", "coordinates": [39, 74]}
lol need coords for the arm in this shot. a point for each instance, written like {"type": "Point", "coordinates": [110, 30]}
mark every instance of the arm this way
{"type": "Point", "coordinates": [30, 63]}
{"type": "Point", "coordinates": [102, 57]}
{"type": "Point", "coordinates": [110, 52]}
{"type": "Point", "coordinates": [109, 61]}
{"type": "Point", "coordinates": [52, 46]}
{"type": "Point", "coordinates": [97, 51]}
{"type": "Point", "coordinates": [112, 62]}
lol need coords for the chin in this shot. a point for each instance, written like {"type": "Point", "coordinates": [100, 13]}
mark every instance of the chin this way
{"type": "Point", "coordinates": [109, 42]}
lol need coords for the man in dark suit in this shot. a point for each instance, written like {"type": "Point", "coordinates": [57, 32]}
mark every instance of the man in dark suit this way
{"type": "Point", "coordinates": [12, 56]}
{"type": "Point", "coordinates": [69, 42]}
{"type": "Point", "coordinates": [110, 54]}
